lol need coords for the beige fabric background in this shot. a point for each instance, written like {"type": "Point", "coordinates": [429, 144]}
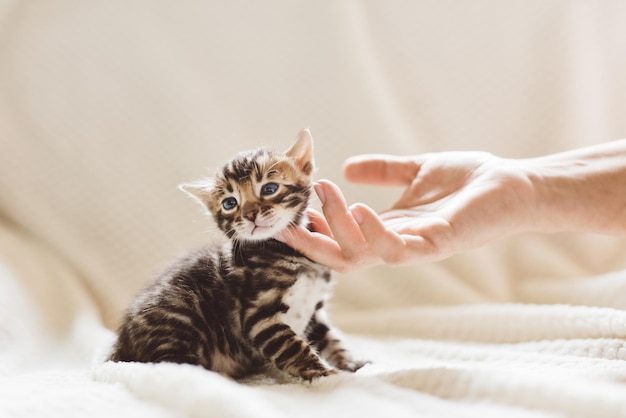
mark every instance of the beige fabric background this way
{"type": "Point", "coordinates": [105, 106]}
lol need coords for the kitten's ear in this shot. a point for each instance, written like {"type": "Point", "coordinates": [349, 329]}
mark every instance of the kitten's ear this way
{"type": "Point", "coordinates": [302, 152]}
{"type": "Point", "coordinates": [199, 191]}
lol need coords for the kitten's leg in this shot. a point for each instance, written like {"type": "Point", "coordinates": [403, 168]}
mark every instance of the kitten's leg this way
{"type": "Point", "coordinates": [135, 343]}
{"type": "Point", "coordinates": [327, 342]}
{"type": "Point", "coordinates": [288, 352]}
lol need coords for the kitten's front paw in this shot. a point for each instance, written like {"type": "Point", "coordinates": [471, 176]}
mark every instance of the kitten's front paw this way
{"type": "Point", "coordinates": [349, 365]}
{"type": "Point", "coordinates": [310, 374]}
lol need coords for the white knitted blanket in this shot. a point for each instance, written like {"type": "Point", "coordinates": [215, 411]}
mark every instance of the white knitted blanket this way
{"type": "Point", "coordinates": [467, 360]}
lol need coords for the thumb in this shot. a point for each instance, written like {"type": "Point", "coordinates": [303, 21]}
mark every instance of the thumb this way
{"type": "Point", "coordinates": [380, 169]}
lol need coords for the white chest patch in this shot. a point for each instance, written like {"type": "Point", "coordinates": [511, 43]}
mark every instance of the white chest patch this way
{"type": "Point", "coordinates": [301, 299]}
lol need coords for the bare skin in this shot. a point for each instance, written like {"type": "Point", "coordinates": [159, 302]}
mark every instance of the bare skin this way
{"type": "Point", "coordinates": [458, 201]}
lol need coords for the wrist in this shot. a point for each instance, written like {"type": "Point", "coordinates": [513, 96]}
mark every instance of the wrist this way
{"type": "Point", "coordinates": [552, 196]}
{"type": "Point", "coordinates": [578, 191]}
{"type": "Point", "coordinates": [526, 185]}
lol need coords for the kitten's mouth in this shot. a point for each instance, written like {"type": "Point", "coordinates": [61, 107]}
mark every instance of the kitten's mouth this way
{"type": "Point", "coordinates": [262, 231]}
{"type": "Point", "coordinates": [256, 229]}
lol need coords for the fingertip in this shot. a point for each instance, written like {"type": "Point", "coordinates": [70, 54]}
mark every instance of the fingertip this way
{"type": "Point", "coordinates": [381, 169]}
{"type": "Point", "coordinates": [313, 217]}
{"type": "Point", "coordinates": [330, 192]}
{"type": "Point", "coordinates": [294, 236]}
{"type": "Point", "coordinates": [365, 168]}
{"type": "Point", "coordinates": [368, 220]}
{"type": "Point", "coordinates": [360, 212]}
{"type": "Point", "coordinates": [283, 236]}
{"type": "Point", "coordinates": [357, 215]}
{"type": "Point", "coordinates": [317, 223]}
{"type": "Point", "coordinates": [319, 191]}
{"type": "Point", "coordinates": [280, 237]}
{"type": "Point", "coordinates": [352, 168]}
{"type": "Point", "coordinates": [313, 213]}
{"type": "Point", "coordinates": [325, 183]}
{"type": "Point", "coordinates": [357, 212]}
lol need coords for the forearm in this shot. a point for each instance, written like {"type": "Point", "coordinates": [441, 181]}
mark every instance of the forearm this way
{"type": "Point", "coordinates": [583, 190]}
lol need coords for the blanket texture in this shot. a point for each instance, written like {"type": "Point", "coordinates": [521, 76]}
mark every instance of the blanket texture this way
{"type": "Point", "coordinates": [107, 105]}
{"type": "Point", "coordinates": [511, 359]}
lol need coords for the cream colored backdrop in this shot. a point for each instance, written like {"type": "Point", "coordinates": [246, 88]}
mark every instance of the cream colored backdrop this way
{"type": "Point", "coordinates": [105, 106]}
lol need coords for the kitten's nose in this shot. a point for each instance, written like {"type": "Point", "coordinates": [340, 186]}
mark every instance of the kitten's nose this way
{"type": "Point", "coordinates": [251, 214]}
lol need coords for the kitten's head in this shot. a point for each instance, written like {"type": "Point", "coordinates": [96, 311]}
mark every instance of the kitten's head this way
{"type": "Point", "coordinates": [259, 192]}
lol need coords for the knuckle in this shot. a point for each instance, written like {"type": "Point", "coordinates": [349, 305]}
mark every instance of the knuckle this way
{"type": "Point", "coordinates": [344, 268]}
{"type": "Point", "coordinates": [358, 260]}
{"type": "Point", "coordinates": [354, 260]}
{"type": "Point", "coordinates": [353, 255]}
{"type": "Point", "coordinates": [432, 250]}
{"type": "Point", "coordinates": [394, 258]}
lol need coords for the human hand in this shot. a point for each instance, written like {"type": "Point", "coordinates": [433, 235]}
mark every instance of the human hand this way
{"type": "Point", "coordinates": [453, 201]}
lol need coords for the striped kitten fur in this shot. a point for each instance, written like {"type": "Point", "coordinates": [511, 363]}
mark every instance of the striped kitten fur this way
{"type": "Point", "coordinates": [251, 305]}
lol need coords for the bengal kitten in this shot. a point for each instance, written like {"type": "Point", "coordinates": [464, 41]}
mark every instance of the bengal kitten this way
{"type": "Point", "coordinates": [251, 305]}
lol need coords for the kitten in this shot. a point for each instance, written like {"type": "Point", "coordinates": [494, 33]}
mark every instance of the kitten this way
{"type": "Point", "coordinates": [252, 304]}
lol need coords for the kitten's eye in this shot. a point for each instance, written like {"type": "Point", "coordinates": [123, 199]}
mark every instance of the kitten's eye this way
{"type": "Point", "coordinates": [229, 203]}
{"type": "Point", "coordinates": [268, 189]}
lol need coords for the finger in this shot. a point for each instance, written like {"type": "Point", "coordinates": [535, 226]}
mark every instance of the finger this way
{"type": "Point", "coordinates": [386, 243]}
{"type": "Point", "coordinates": [394, 247]}
{"type": "Point", "coordinates": [379, 169]}
{"type": "Point", "coordinates": [317, 223]}
{"type": "Point", "coordinates": [344, 227]}
{"type": "Point", "coordinates": [316, 246]}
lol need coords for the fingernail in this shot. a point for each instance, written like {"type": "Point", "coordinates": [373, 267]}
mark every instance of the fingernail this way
{"type": "Point", "coordinates": [356, 214]}
{"type": "Point", "coordinates": [320, 192]}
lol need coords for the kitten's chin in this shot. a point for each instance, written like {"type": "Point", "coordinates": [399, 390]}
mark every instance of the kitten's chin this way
{"type": "Point", "coordinates": [261, 232]}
